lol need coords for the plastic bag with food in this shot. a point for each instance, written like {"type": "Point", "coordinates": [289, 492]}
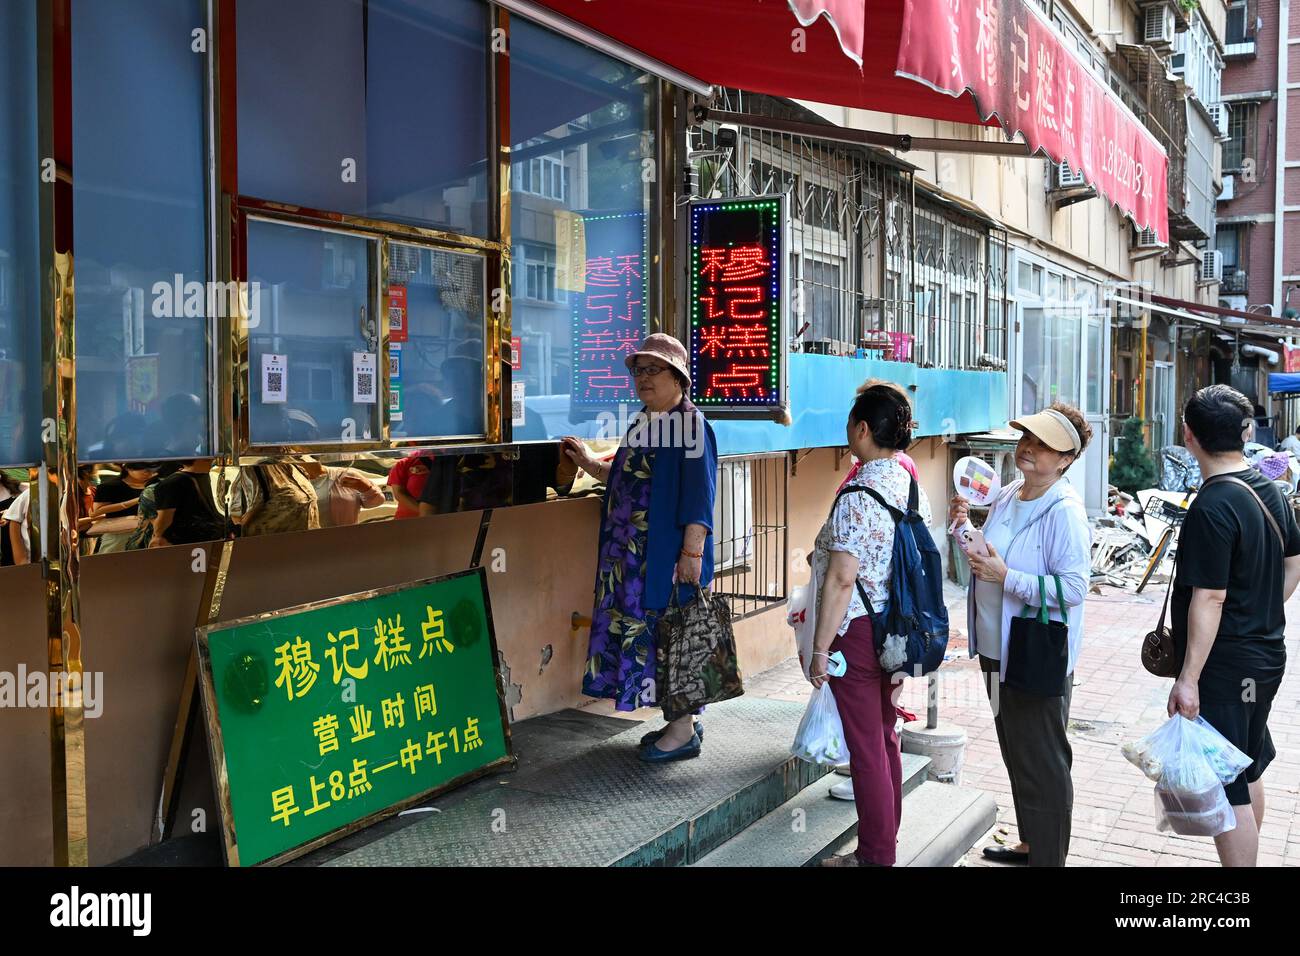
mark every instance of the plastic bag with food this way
{"type": "Point", "coordinates": [1190, 762]}
{"type": "Point", "coordinates": [820, 737]}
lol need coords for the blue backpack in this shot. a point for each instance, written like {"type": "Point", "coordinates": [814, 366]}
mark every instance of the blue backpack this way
{"type": "Point", "coordinates": [911, 631]}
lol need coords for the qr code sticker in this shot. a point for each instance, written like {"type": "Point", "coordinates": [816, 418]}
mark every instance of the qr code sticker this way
{"type": "Point", "coordinates": [516, 409]}
{"type": "Point", "coordinates": [395, 313]}
{"type": "Point", "coordinates": [365, 384]}
{"type": "Point", "coordinates": [275, 382]}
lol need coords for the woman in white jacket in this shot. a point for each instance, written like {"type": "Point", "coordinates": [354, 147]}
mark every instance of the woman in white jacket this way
{"type": "Point", "coordinates": [1037, 526]}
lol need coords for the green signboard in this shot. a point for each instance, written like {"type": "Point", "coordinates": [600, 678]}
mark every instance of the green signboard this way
{"type": "Point", "coordinates": [326, 717]}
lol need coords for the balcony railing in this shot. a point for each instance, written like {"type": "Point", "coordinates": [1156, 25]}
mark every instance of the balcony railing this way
{"type": "Point", "coordinates": [1233, 282]}
{"type": "Point", "coordinates": [1240, 33]}
{"type": "Point", "coordinates": [1162, 107]}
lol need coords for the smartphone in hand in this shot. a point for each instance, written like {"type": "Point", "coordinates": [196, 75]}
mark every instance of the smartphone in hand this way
{"type": "Point", "coordinates": [971, 539]}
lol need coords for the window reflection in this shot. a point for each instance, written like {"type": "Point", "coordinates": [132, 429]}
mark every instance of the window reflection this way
{"type": "Point", "coordinates": [582, 137]}
{"type": "Point", "coordinates": [140, 224]}
{"type": "Point", "coordinates": [436, 347]}
{"type": "Point", "coordinates": [20, 378]}
{"type": "Point", "coordinates": [313, 338]}
{"type": "Point", "coordinates": [374, 109]}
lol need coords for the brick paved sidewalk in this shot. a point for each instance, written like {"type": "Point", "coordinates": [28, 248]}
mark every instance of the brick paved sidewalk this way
{"type": "Point", "coordinates": [1114, 700]}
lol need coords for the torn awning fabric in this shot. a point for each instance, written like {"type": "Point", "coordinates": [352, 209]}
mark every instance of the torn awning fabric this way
{"type": "Point", "coordinates": [981, 62]}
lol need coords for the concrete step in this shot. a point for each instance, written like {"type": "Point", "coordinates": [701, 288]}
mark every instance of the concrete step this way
{"type": "Point", "coordinates": [582, 798]}
{"type": "Point", "coordinates": [940, 823]}
{"type": "Point", "coordinates": [805, 828]}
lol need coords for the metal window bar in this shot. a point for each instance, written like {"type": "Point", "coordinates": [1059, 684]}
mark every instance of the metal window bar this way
{"type": "Point", "coordinates": [867, 277]}
{"type": "Point", "coordinates": [750, 533]}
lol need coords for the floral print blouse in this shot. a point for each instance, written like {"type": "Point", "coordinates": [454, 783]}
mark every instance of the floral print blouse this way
{"type": "Point", "coordinates": [861, 527]}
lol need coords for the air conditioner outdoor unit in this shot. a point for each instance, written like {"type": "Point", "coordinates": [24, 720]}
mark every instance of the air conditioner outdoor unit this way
{"type": "Point", "coordinates": [1158, 25]}
{"type": "Point", "coordinates": [1147, 239]}
{"type": "Point", "coordinates": [1212, 266]}
{"type": "Point", "coordinates": [1229, 183]}
{"type": "Point", "coordinates": [1219, 115]}
{"type": "Point", "coordinates": [1063, 177]}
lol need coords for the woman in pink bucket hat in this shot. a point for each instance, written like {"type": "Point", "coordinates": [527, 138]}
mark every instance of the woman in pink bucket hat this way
{"type": "Point", "coordinates": [656, 531]}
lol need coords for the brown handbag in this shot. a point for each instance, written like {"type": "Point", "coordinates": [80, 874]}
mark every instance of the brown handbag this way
{"type": "Point", "coordinates": [1159, 653]}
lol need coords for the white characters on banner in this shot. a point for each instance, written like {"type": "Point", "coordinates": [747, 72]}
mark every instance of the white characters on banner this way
{"type": "Point", "coordinates": [986, 41]}
{"type": "Point", "coordinates": [1044, 90]}
{"type": "Point", "coordinates": [954, 8]}
{"type": "Point", "coordinates": [1067, 115]}
{"type": "Point", "coordinates": [1021, 67]}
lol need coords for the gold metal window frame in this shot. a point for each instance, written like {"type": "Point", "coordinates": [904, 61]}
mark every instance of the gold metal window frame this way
{"type": "Point", "coordinates": [236, 368]}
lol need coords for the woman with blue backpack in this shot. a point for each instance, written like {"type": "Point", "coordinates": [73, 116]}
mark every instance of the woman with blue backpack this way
{"type": "Point", "coordinates": [1025, 614]}
{"type": "Point", "coordinates": [853, 560]}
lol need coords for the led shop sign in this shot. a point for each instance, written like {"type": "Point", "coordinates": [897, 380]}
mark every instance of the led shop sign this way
{"type": "Point", "coordinates": [738, 303]}
{"type": "Point", "coordinates": [606, 281]}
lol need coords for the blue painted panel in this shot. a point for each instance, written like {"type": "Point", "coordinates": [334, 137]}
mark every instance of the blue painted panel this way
{"type": "Point", "coordinates": [822, 388]}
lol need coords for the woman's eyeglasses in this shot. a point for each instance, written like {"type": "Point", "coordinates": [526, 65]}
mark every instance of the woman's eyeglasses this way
{"type": "Point", "coordinates": [651, 370]}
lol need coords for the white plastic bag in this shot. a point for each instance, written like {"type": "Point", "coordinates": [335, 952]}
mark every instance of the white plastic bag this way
{"type": "Point", "coordinates": [1190, 762]}
{"type": "Point", "coordinates": [820, 737]}
{"type": "Point", "coordinates": [801, 614]}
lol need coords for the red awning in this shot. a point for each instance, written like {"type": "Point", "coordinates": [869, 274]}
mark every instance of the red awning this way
{"type": "Point", "coordinates": [982, 62]}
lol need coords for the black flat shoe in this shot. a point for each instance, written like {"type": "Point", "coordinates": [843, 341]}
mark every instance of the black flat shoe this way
{"type": "Point", "coordinates": [652, 754]}
{"type": "Point", "coordinates": [656, 734]}
{"type": "Point", "coordinates": [1004, 854]}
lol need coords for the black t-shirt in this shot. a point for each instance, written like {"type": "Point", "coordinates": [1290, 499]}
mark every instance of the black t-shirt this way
{"type": "Point", "coordinates": [196, 518]}
{"type": "Point", "coordinates": [115, 490]}
{"type": "Point", "coordinates": [1227, 544]}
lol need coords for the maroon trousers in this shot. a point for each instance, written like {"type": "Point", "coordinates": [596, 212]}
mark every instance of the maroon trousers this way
{"type": "Point", "coordinates": [864, 697]}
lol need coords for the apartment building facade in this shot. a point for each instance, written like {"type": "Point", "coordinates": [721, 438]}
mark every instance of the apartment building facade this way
{"type": "Point", "coordinates": [1081, 320]}
{"type": "Point", "coordinates": [1259, 208]}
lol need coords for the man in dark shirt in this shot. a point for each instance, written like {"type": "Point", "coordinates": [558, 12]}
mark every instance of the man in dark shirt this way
{"type": "Point", "coordinates": [187, 513]}
{"type": "Point", "coordinates": [1234, 574]}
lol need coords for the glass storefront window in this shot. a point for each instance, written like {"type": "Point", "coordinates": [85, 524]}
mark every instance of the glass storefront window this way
{"type": "Point", "coordinates": [375, 109]}
{"type": "Point", "coordinates": [437, 386]}
{"type": "Point", "coordinates": [582, 142]}
{"type": "Point", "coordinates": [1049, 357]}
{"type": "Point", "coordinates": [140, 227]}
{"type": "Point", "coordinates": [313, 336]}
{"type": "Point", "coordinates": [20, 326]}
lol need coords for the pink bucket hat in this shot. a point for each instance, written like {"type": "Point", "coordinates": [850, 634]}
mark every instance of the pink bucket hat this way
{"type": "Point", "coordinates": [666, 349]}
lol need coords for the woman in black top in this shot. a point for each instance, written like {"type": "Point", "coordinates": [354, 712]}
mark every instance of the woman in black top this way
{"type": "Point", "coordinates": [120, 498]}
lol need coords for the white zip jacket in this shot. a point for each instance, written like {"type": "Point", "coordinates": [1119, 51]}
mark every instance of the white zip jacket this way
{"type": "Point", "coordinates": [1059, 543]}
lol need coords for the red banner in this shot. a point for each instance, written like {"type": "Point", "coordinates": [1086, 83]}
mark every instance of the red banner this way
{"type": "Point", "coordinates": [1016, 65]}
{"type": "Point", "coordinates": [846, 17]}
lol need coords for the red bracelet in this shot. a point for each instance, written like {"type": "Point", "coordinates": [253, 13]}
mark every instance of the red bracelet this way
{"type": "Point", "coordinates": [692, 554]}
